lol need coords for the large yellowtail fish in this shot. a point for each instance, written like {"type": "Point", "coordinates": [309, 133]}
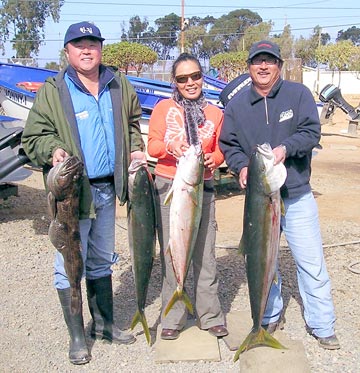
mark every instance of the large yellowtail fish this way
{"type": "Point", "coordinates": [186, 197]}
{"type": "Point", "coordinates": [261, 238]}
{"type": "Point", "coordinates": [63, 183]}
{"type": "Point", "coordinates": [141, 235]}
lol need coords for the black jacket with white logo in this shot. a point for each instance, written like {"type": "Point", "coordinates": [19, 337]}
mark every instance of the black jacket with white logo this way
{"type": "Point", "coordinates": [288, 116]}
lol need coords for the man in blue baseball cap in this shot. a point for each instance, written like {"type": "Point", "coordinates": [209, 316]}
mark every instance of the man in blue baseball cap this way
{"type": "Point", "coordinates": [91, 112]}
{"type": "Point", "coordinates": [82, 30]}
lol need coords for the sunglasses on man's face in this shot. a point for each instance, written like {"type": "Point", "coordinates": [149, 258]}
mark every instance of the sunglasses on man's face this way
{"type": "Point", "coordinates": [269, 60]}
{"type": "Point", "coordinates": [184, 78]}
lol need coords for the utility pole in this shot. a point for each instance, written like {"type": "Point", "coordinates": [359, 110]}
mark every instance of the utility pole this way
{"type": "Point", "coordinates": [182, 26]}
{"type": "Point", "coordinates": [318, 68]}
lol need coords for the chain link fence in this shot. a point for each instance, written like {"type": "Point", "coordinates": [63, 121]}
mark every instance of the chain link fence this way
{"type": "Point", "coordinates": [161, 70]}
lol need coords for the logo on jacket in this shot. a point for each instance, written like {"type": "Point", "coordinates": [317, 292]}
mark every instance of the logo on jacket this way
{"type": "Point", "coordinates": [285, 115]}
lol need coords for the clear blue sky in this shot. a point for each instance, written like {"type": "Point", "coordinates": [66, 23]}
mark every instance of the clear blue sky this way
{"type": "Point", "coordinates": [109, 15]}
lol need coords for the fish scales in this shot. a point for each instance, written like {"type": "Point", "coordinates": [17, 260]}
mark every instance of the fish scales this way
{"type": "Point", "coordinates": [261, 238]}
{"type": "Point", "coordinates": [63, 184]}
{"type": "Point", "coordinates": [186, 196]}
{"type": "Point", "coordinates": [141, 235]}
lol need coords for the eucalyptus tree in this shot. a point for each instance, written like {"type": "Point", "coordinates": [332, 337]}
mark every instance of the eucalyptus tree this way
{"type": "Point", "coordinates": [305, 48]}
{"type": "Point", "coordinates": [229, 28]}
{"type": "Point", "coordinates": [23, 24]}
{"type": "Point", "coordinates": [352, 33]}
{"type": "Point", "coordinates": [151, 40]}
{"type": "Point", "coordinates": [167, 33]}
{"type": "Point", "coordinates": [194, 40]}
{"type": "Point", "coordinates": [285, 41]}
{"type": "Point", "coordinates": [254, 33]}
{"type": "Point", "coordinates": [137, 28]}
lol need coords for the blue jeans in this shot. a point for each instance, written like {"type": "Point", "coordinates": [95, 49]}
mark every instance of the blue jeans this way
{"type": "Point", "coordinates": [302, 231]}
{"type": "Point", "coordinates": [97, 238]}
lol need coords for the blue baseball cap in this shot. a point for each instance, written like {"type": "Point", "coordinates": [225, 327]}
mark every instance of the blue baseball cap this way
{"type": "Point", "coordinates": [82, 30]}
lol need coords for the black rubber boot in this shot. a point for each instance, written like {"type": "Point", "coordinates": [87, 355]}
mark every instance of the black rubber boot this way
{"type": "Point", "coordinates": [100, 299]}
{"type": "Point", "coordinates": [78, 350]}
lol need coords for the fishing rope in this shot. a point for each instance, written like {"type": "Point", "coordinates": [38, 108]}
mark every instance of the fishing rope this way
{"type": "Point", "coordinates": [350, 267]}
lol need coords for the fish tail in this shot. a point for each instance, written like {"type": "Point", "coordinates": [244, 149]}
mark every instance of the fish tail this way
{"type": "Point", "coordinates": [75, 301]}
{"type": "Point", "coordinates": [179, 295]}
{"type": "Point", "coordinates": [258, 338]}
{"type": "Point", "coordinates": [168, 197]}
{"type": "Point", "coordinates": [187, 301]}
{"type": "Point", "coordinates": [140, 317]}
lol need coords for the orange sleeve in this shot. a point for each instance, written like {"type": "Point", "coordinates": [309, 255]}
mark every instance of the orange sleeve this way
{"type": "Point", "coordinates": [157, 129]}
{"type": "Point", "coordinates": [166, 164]}
{"type": "Point", "coordinates": [218, 155]}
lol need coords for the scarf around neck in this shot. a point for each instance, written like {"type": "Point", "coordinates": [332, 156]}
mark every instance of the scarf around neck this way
{"type": "Point", "coordinates": [193, 115]}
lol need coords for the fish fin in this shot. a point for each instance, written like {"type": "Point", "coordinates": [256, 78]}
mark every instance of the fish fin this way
{"type": "Point", "coordinates": [258, 338]}
{"type": "Point", "coordinates": [75, 301]}
{"type": "Point", "coordinates": [156, 217]}
{"type": "Point", "coordinates": [140, 317]}
{"type": "Point", "coordinates": [241, 247]}
{"type": "Point", "coordinates": [194, 195]}
{"type": "Point", "coordinates": [179, 295]}
{"type": "Point", "coordinates": [135, 320]}
{"type": "Point", "coordinates": [168, 249]}
{"type": "Point", "coordinates": [276, 278]}
{"type": "Point", "coordinates": [172, 301]}
{"type": "Point", "coordinates": [51, 205]}
{"type": "Point", "coordinates": [187, 302]}
{"type": "Point", "coordinates": [168, 197]}
{"type": "Point", "coordinates": [282, 207]}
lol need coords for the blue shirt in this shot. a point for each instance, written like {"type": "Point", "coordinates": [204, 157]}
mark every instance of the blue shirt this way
{"type": "Point", "coordinates": [96, 127]}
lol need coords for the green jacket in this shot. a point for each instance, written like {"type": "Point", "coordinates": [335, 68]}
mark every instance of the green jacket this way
{"type": "Point", "coordinates": [51, 124]}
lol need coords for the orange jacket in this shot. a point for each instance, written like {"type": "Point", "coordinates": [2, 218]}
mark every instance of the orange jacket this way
{"type": "Point", "coordinates": [167, 122]}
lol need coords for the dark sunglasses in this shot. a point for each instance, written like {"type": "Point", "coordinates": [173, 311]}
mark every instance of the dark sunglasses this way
{"type": "Point", "coordinates": [268, 60]}
{"type": "Point", "coordinates": [184, 78]}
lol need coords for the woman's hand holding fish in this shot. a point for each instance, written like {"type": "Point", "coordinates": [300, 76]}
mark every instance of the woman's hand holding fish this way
{"type": "Point", "coordinates": [209, 162]}
{"type": "Point", "coordinates": [176, 148]}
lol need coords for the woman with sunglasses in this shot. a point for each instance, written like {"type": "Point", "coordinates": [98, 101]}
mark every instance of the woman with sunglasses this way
{"type": "Point", "coordinates": [171, 118]}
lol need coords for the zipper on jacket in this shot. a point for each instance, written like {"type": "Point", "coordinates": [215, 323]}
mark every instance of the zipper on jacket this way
{"type": "Point", "coordinates": [108, 160]}
{"type": "Point", "coordinates": [266, 111]}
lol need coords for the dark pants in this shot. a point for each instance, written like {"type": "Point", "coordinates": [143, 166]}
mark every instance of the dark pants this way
{"type": "Point", "coordinates": [207, 304]}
